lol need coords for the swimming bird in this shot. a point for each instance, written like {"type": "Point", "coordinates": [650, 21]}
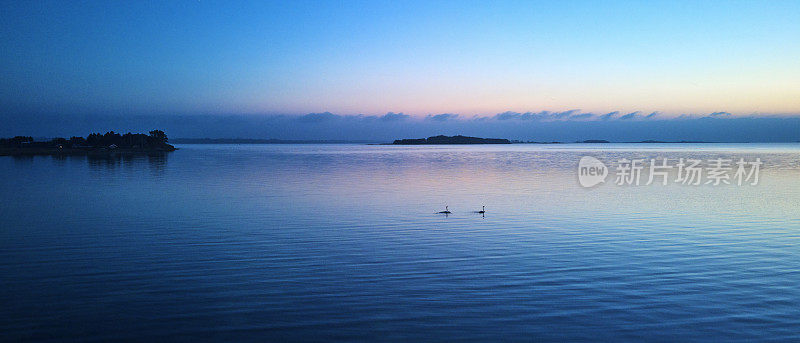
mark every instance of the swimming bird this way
{"type": "Point", "coordinates": [446, 211]}
{"type": "Point", "coordinates": [482, 211]}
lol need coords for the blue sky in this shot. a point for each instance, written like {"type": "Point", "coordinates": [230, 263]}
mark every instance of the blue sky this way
{"type": "Point", "coordinates": [416, 57]}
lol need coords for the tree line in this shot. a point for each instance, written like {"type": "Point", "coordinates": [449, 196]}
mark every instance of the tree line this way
{"type": "Point", "coordinates": [111, 139]}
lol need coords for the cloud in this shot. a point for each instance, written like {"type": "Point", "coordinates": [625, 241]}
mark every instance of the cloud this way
{"type": "Point", "coordinates": [391, 116]}
{"type": "Point", "coordinates": [565, 114]}
{"type": "Point", "coordinates": [580, 116]}
{"type": "Point", "coordinates": [508, 115]}
{"type": "Point", "coordinates": [719, 114]}
{"type": "Point", "coordinates": [317, 117]}
{"type": "Point", "coordinates": [609, 115]}
{"type": "Point", "coordinates": [691, 116]}
{"type": "Point", "coordinates": [442, 117]}
{"type": "Point", "coordinates": [784, 127]}
{"type": "Point", "coordinates": [629, 116]}
{"type": "Point", "coordinates": [543, 115]}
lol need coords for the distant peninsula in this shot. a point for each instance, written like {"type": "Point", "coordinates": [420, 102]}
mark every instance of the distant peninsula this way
{"type": "Point", "coordinates": [94, 144]}
{"type": "Point", "coordinates": [451, 140]}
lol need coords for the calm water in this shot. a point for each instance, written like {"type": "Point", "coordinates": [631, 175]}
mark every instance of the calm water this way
{"type": "Point", "coordinates": [322, 242]}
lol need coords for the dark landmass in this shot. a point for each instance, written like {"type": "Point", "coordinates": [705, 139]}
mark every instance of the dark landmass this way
{"type": "Point", "coordinates": [594, 141]}
{"type": "Point", "coordinates": [259, 141]}
{"type": "Point", "coordinates": [94, 144]}
{"type": "Point", "coordinates": [451, 140]}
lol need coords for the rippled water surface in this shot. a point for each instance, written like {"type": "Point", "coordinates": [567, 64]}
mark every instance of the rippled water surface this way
{"type": "Point", "coordinates": [323, 242]}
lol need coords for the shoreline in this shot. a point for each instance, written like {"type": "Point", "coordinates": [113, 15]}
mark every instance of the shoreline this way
{"type": "Point", "coordinates": [78, 151]}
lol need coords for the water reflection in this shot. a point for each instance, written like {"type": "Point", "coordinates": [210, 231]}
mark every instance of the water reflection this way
{"type": "Point", "coordinates": [343, 241]}
{"type": "Point", "coordinates": [156, 162]}
{"type": "Point", "coordinates": [22, 159]}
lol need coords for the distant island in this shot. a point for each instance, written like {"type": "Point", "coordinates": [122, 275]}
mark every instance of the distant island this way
{"type": "Point", "coordinates": [94, 144]}
{"type": "Point", "coordinates": [451, 140]}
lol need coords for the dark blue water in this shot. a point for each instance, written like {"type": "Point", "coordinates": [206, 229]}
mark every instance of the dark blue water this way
{"type": "Point", "coordinates": [340, 242]}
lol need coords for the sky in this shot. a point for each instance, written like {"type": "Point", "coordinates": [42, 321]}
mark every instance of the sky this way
{"type": "Point", "coordinates": [480, 64]}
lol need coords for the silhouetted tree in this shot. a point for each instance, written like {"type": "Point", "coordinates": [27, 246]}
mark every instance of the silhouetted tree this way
{"type": "Point", "coordinates": [16, 141]}
{"type": "Point", "coordinates": [74, 141]}
{"type": "Point", "coordinates": [159, 136]}
{"type": "Point", "coordinates": [59, 141]}
{"type": "Point", "coordinates": [156, 140]}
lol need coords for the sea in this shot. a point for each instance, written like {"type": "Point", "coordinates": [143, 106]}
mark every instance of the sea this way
{"type": "Point", "coordinates": [344, 242]}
